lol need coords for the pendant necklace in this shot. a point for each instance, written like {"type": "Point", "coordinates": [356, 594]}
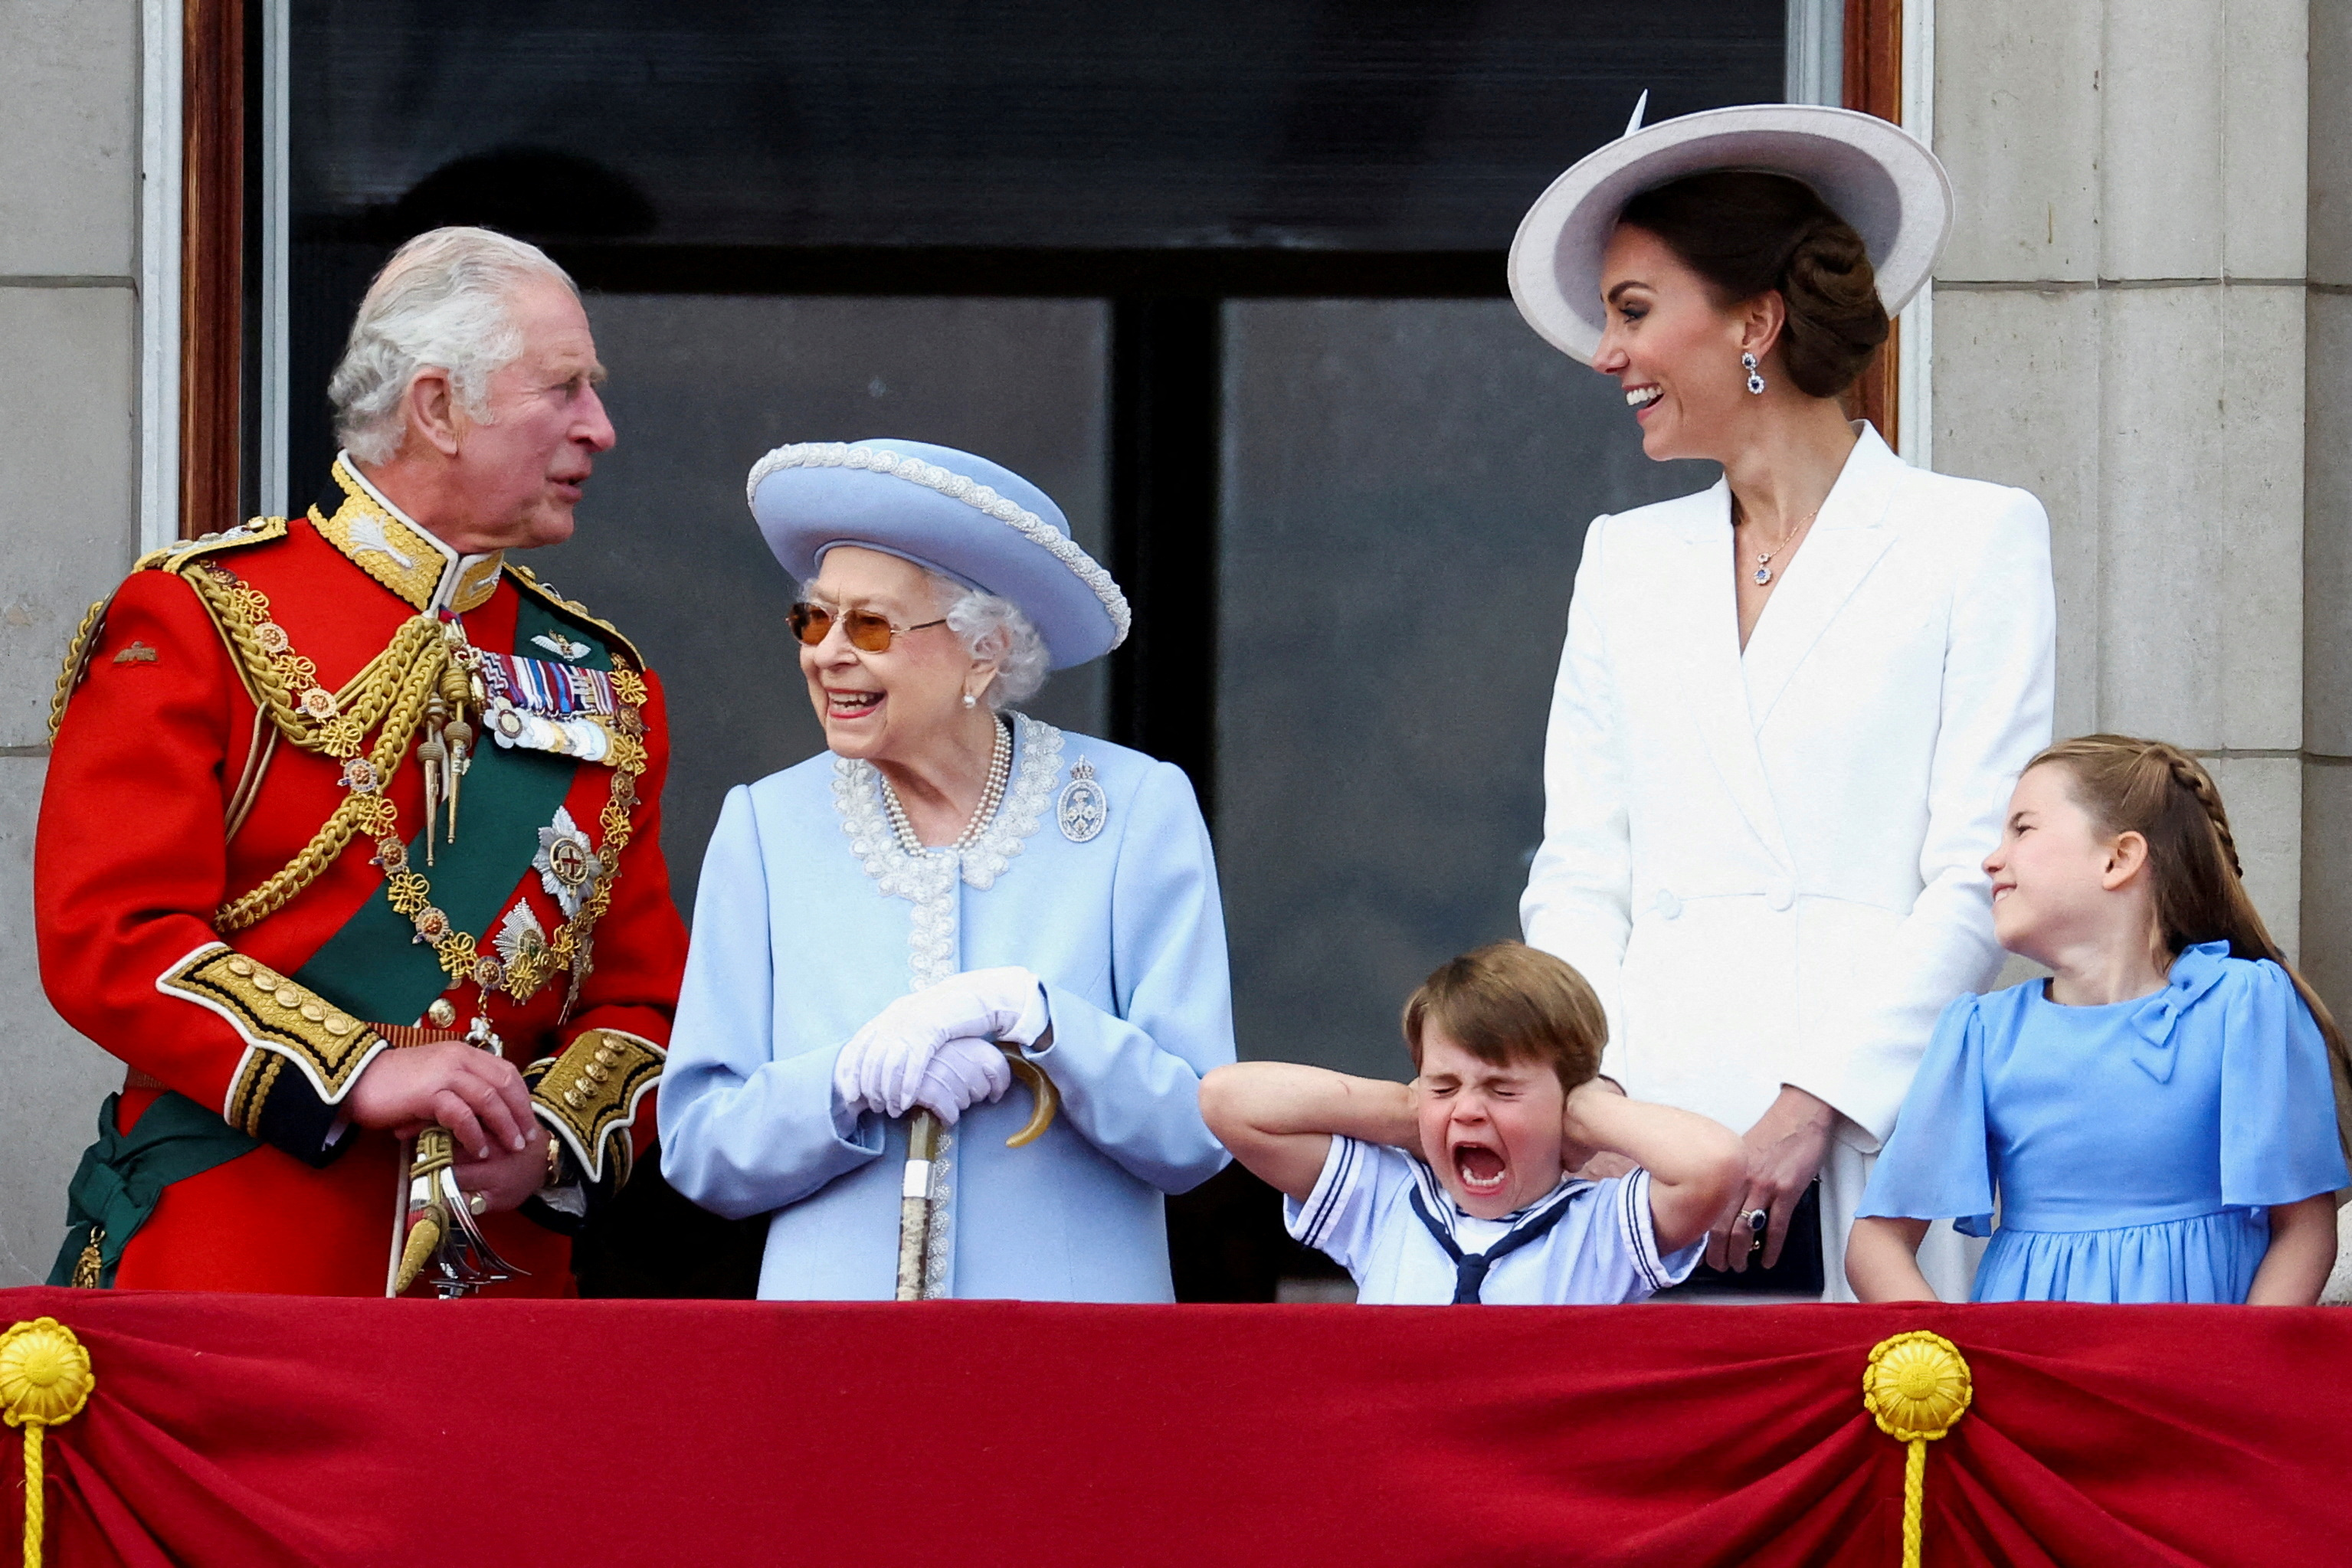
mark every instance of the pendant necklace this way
{"type": "Point", "coordinates": [999, 773]}
{"type": "Point", "coordinates": [1764, 558]}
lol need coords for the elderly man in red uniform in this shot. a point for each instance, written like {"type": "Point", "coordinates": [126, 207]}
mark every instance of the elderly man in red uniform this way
{"type": "Point", "coordinates": [352, 834]}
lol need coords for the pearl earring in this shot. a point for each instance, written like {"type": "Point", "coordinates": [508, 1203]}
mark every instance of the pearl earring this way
{"type": "Point", "coordinates": [1755, 381]}
{"type": "Point", "coordinates": [969, 700]}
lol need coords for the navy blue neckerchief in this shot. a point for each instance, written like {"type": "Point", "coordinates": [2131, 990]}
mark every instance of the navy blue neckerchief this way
{"type": "Point", "coordinates": [1470, 1267]}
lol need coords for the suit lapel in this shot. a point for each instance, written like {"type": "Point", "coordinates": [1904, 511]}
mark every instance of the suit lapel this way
{"type": "Point", "coordinates": [1704, 633]}
{"type": "Point", "coordinates": [1846, 541]}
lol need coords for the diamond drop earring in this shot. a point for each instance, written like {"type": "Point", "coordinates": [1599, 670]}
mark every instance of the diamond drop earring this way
{"type": "Point", "coordinates": [1755, 381]}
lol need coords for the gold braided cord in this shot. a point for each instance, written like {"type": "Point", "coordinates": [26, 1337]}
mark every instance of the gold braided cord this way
{"type": "Point", "coordinates": [243, 614]}
{"type": "Point", "coordinates": [1917, 1387]}
{"type": "Point", "coordinates": [395, 689]}
{"type": "Point", "coordinates": [45, 1381]}
{"type": "Point", "coordinates": [77, 651]}
{"type": "Point", "coordinates": [357, 813]}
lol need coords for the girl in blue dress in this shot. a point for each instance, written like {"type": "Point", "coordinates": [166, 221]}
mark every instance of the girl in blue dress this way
{"type": "Point", "coordinates": [2156, 1120]}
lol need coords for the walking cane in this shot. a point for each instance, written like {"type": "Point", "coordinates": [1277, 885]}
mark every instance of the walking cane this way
{"type": "Point", "coordinates": [923, 1147]}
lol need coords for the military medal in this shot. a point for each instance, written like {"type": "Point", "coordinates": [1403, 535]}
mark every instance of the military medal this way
{"type": "Point", "coordinates": [540, 705]}
{"type": "Point", "coordinates": [567, 866]}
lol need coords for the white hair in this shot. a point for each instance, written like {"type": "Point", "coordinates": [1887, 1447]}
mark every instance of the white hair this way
{"type": "Point", "coordinates": [991, 627]}
{"type": "Point", "coordinates": [441, 301]}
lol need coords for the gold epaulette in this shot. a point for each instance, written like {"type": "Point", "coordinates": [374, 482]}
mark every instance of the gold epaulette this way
{"type": "Point", "coordinates": [528, 580]}
{"type": "Point", "coordinates": [176, 558]}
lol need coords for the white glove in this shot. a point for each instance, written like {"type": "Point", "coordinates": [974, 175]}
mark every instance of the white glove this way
{"type": "Point", "coordinates": [961, 1073]}
{"type": "Point", "coordinates": [882, 1066]}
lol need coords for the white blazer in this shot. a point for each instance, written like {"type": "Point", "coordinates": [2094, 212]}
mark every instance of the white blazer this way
{"type": "Point", "coordinates": [1769, 864]}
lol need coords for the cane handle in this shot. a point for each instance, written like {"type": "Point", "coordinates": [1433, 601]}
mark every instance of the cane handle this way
{"type": "Point", "coordinates": [1044, 1098]}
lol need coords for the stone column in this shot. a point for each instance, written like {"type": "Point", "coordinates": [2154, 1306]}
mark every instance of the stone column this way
{"type": "Point", "coordinates": [2327, 518]}
{"type": "Point", "coordinates": [68, 513]}
{"type": "Point", "coordinates": [2145, 317]}
{"type": "Point", "coordinates": [2120, 327]}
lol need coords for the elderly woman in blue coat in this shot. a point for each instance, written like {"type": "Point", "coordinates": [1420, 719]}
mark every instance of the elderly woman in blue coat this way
{"type": "Point", "coordinates": [951, 890]}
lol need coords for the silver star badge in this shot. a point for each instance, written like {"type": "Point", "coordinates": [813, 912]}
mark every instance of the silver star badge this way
{"type": "Point", "coordinates": [568, 868]}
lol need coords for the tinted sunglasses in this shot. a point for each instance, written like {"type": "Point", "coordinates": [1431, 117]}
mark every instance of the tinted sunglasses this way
{"type": "Point", "coordinates": [866, 631]}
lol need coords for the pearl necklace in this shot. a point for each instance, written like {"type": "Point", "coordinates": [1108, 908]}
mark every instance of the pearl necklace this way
{"type": "Point", "coordinates": [991, 796]}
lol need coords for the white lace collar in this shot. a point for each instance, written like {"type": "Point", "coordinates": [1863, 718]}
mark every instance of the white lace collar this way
{"type": "Point", "coordinates": [857, 797]}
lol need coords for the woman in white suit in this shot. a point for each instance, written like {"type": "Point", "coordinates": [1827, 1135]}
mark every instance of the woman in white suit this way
{"type": "Point", "coordinates": [1791, 706]}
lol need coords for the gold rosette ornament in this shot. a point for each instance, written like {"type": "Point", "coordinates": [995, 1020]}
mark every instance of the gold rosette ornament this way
{"type": "Point", "coordinates": [1917, 1387]}
{"type": "Point", "coordinates": [45, 1380]}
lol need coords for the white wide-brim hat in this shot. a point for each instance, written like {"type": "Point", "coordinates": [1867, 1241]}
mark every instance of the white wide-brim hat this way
{"type": "Point", "coordinates": [976, 521]}
{"type": "Point", "coordinates": [1872, 174]}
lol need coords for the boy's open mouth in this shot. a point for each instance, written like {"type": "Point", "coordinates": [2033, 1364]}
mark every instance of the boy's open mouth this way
{"type": "Point", "coordinates": [1479, 1168]}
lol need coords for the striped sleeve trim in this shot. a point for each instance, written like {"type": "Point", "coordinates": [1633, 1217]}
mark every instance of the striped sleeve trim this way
{"type": "Point", "coordinates": [1641, 1240]}
{"type": "Point", "coordinates": [1339, 1174]}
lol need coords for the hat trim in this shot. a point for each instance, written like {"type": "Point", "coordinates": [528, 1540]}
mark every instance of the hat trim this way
{"type": "Point", "coordinates": [960, 488]}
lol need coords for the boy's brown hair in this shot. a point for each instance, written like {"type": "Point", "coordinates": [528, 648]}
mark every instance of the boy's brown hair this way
{"type": "Point", "coordinates": [1507, 1002]}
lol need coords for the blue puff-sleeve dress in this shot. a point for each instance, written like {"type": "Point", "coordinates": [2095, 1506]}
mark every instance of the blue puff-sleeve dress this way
{"type": "Point", "coordinates": [2136, 1148]}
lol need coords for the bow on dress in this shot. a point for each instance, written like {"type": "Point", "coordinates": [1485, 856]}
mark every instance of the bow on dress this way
{"type": "Point", "coordinates": [2196, 971]}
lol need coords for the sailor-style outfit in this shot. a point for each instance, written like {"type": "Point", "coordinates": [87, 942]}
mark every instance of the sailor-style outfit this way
{"type": "Point", "coordinates": [813, 917]}
{"type": "Point", "coordinates": [1383, 1216]}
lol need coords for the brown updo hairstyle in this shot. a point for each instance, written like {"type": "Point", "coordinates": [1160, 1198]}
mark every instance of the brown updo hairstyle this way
{"type": "Point", "coordinates": [1748, 232]}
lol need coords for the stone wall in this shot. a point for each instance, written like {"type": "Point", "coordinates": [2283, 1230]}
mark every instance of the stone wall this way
{"type": "Point", "coordinates": [2144, 317]}
{"type": "Point", "coordinates": [2120, 326]}
{"type": "Point", "coordinates": [68, 513]}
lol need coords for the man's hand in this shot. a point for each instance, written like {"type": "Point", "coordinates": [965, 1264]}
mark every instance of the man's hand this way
{"type": "Point", "coordinates": [480, 1098]}
{"type": "Point", "coordinates": [504, 1179]}
{"type": "Point", "coordinates": [1785, 1150]}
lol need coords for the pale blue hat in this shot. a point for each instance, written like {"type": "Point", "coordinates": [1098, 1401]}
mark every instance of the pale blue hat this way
{"type": "Point", "coordinates": [979, 523]}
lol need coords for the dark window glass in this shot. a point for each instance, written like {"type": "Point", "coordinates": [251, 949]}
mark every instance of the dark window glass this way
{"type": "Point", "coordinates": [1406, 486]}
{"type": "Point", "coordinates": [1401, 124]}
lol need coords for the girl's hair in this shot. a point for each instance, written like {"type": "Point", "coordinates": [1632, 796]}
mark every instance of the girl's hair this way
{"type": "Point", "coordinates": [1748, 232]}
{"type": "Point", "coordinates": [1507, 1002]}
{"type": "Point", "coordinates": [2165, 795]}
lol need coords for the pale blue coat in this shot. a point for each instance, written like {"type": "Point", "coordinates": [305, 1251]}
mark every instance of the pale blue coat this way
{"type": "Point", "coordinates": [810, 920]}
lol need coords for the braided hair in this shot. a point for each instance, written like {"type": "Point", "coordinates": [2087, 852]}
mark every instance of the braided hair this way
{"type": "Point", "coordinates": [2165, 795]}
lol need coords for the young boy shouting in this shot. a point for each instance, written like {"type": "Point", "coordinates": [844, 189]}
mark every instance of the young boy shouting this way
{"type": "Point", "coordinates": [1453, 1188]}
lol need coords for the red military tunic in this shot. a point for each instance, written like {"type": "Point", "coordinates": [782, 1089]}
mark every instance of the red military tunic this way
{"type": "Point", "coordinates": [176, 789]}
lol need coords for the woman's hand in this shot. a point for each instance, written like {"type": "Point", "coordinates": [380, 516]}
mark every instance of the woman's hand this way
{"type": "Point", "coordinates": [882, 1068]}
{"type": "Point", "coordinates": [963, 1073]}
{"type": "Point", "coordinates": [1785, 1150]}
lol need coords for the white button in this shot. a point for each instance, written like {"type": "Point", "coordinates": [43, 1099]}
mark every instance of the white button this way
{"type": "Point", "coordinates": [1780, 893]}
{"type": "Point", "coordinates": [1667, 905]}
